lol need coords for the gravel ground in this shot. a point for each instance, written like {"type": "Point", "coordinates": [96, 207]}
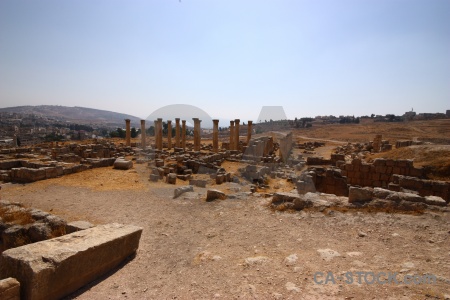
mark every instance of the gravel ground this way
{"type": "Point", "coordinates": [239, 248]}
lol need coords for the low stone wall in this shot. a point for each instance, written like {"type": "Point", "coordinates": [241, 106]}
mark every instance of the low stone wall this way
{"type": "Point", "coordinates": [379, 173]}
{"type": "Point", "coordinates": [406, 143]}
{"type": "Point", "coordinates": [317, 161]}
{"type": "Point", "coordinates": [414, 201]}
{"type": "Point", "coordinates": [422, 186]}
{"type": "Point", "coordinates": [20, 226]}
{"type": "Point", "coordinates": [329, 181]}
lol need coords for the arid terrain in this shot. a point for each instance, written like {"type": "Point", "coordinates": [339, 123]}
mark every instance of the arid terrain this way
{"type": "Point", "coordinates": [239, 248]}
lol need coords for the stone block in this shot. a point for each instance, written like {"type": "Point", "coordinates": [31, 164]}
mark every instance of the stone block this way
{"type": "Point", "coordinates": [57, 267]}
{"type": "Point", "coordinates": [123, 164]}
{"type": "Point", "coordinates": [171, 178]}
{"type": "Point", "coordinates": [9, 289]}
{"type": "Point", "coordinates": [357, 194]}
{"type": "Point", "coordinates": [434, 200]}
{"type": "Point", "coordinates": [77, 226]}
{"type": "Point", "coordinates": [184, 177]}
{"type": "Point", "coordinates": [379, 162]}
{"type": "Point", "coordinates": [178, 191]}
{"type": "Point", "coordinates": [215, 194]}
{"type": "Point", "coordinates": [394, 187]}
{"type": "Point", "coordinates": [198, 182]}
{"type": "Point", "coordinates": [39, 232]}
{"type": "Point", "coordinates": [154, 177]}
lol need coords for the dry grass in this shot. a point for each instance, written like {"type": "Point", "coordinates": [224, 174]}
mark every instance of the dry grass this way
{"type": "Point", "coordinates": [433, 131]}
{"type": "Point", "coordinates": [435, 159]}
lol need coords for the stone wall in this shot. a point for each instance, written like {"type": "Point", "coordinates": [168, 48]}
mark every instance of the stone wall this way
{"type": "Point", "coordinates": [378, 174]}
{"type": "Point", "coordinates": [406, 143]}
{"type": "Point", "coordinates": [422, 186]}
{"type": "Point", "coordinates": [329, 181]}
{"type": "Point", "coordinates": [36, 225]}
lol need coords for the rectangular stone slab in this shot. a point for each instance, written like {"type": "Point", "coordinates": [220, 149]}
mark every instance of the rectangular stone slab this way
{"type": "Point", "coordinates": [54, 268]}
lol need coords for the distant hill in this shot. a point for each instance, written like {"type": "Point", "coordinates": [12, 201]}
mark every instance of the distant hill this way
{"type": "Point", "coordinates": [80, 115]}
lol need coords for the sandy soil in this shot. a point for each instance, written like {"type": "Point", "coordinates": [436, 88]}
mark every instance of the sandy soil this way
{"type": "Point", "coordinates": [239, 248]}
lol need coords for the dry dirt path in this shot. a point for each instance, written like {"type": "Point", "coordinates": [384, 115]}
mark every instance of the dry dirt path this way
{"type": "Point", "coordinates": [240, 249]}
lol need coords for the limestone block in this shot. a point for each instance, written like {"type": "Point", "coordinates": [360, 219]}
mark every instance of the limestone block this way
{"type": "Point", "coordinates": [9, 289]}
{"type": "Point", "coordinates": [15, 236]}
{"type": "Point", "coordinates": [57, 267]}
{"type": "Point", "coordinates": [39, 232]}
{"type": "Point", "coordinates": [215, 194]}
{"type": "Point", "coordinates": [171, 178]}
{"type": "Point", "coordinates": [123, 164]}
{"type": "Point", "coordinates": [198, 182]}
{"type": "Point", "coordinates": [434, 200]}
{"type": "Point", "coordinates": [178, 191]}
{"type": "Point", "coordinates": [357, 194]}
{"type": "Point", "coordinates": [154, 177]}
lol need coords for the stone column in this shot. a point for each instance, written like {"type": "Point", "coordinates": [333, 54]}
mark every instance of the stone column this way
{"type": "Point", "coordinates": [183, 134]}
{"type": "Point", "coordinates": [236, 133]}
{"type": "Point", "coordinates": [196, 134]}
{"type": "Point", "coordinates": [249, 131]}
{"type": "Point", "coordinates": [231, 147]}
{"type": "Point", "coordinates": [155, 122]}
{"type": "Point", "coordinates": [127, 132]}
{"type": "Point", "coordinates": [143, 134]}
{"type": "Point", "coordinates": [169, 134]}
{"type": "Point", "coordinates": [160, 134]}
{"type": "Point", "coordinates": [177, 132]}
{"type": "Point", "coordinates": [216, 135]}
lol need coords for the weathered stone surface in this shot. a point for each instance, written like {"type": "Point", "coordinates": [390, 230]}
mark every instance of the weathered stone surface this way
{"type": "Point", "coordinates": [357, 194]}
{"type": "Point", "coordinates": [178, 191]}
{"type": "Point", "coordinates": [198, 182]}
{"type": "Point", "coordinates": [55, 268]}
{"type": "Point", "coordinates": [291, 201]}
{"type": "Point", "coordinates": [37, 214]}
{"type": "Point", "coordinates": [9, 289]}
{"type": "Point", "coordinates": [57, 225]}
{"type": "Point", "coordinates": [123, 164]}
{"type": "Point", "coordinates": [306, 185]}
{"type": "Point", "coordinates": [77, 226]}
{"type": "Point", "coordinates": [39, 232]}
{"type": "Point", "coordinates": [171, 178]}
{"type": "Point", "coordinates": [215, 194]}
{"type": "Point", "coordinates": [284, 197]}
{"type": "Point", "coordinates": [434, 200]}
{"type": "Point", "coordinates": [154, 177]}
{"type": "Point", "coordinates": [15, 236]}
{"type": "Point", "coordinates": [381, 193]}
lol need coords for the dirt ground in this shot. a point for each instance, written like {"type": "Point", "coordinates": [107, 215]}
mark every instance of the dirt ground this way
{"type": "Point", "coordinates": [241, 249]}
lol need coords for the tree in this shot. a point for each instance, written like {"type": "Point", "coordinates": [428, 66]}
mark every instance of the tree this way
{"type": "Point", "coordinates": [133, 132]}
{"type": "Point", "coordinates": [121, 133]}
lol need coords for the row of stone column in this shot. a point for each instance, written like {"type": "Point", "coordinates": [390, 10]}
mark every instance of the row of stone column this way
{"type": "Point", "coordinates": [181, 143]}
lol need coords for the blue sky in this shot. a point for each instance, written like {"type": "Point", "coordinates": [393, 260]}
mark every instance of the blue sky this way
{"type": "Point", "coordinates": [228, 57]}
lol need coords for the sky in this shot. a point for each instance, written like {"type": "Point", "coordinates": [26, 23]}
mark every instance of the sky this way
{"type": "Point", "coordinates": [228, 57]}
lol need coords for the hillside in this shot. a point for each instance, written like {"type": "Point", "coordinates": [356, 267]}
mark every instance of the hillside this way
{"type": "Point", "coordinates": [76, 114]}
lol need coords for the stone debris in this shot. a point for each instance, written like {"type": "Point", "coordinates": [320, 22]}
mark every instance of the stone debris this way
{"type": "Point", "coordinates": [213, 194]}
{"type": "Point", "coordinates": [328, 254]}
{"type": "Point", "coordinates": [181, 190]}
